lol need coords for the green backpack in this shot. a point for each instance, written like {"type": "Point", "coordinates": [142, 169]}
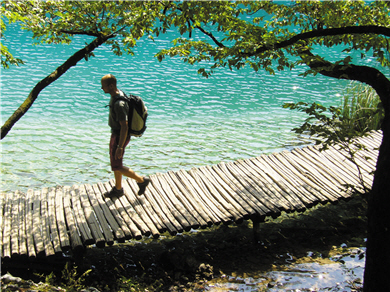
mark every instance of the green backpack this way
{"type": "Point", "coordinates": [138, 114]}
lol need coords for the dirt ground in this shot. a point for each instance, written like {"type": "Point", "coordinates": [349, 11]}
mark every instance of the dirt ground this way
{"type": "Point", "coordinates": [188, 261]}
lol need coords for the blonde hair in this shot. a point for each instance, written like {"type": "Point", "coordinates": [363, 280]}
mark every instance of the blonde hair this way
{"type": "Point", "coordinates": [109, 79]}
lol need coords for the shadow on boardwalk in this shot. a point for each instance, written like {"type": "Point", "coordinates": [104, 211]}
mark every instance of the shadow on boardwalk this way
{"type": "Point", "coordinates": [185, 262]}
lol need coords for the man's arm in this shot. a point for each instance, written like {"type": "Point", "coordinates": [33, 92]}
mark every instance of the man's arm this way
{"type": "Point", "coordinates": [122, 139]}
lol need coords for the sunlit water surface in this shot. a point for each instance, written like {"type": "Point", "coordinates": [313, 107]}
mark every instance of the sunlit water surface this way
{"type": "Point", "coordinates": [193, 121]}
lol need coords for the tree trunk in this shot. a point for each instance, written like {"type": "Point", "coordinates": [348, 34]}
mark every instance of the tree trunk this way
{"type": "Point", "coordinates": [376, 274]}
{"type": "Point", "coordinates": [72, 61]}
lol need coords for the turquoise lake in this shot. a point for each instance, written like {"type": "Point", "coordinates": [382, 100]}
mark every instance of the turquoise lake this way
{"type": "Point", "coordinates": [193, 121]}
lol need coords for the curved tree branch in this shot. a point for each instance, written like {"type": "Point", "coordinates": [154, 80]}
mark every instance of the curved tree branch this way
{"type": "Point", "coordinates": [72, 61]}
{"type": "Point", "coordinates": [365, 29]}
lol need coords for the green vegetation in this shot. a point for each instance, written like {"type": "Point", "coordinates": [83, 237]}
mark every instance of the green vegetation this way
{"type": "Point", "coordinates": [362, 108]}
{"type": "Point", "coordinates": [360, 112]}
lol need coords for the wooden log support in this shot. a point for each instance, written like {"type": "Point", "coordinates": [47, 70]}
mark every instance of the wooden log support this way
{"type": "Point", "coordinates": [22, 225]}
{"type": "Point", "coordinates": [117, 231]}
{"type": "Point", "coordinates": [81, 221]}
{"type": "Point", "coordinates": [70, 218]}
{"type": "Point", "coordinates": [173, 205]}
{"type": "Point", "coordinates": [100, 218]}
{"type": "Point", "coordinates": [116, 213]}
{"type": "Point", "coordinates": [135, 232]}
{"type": "Point", "coordinates": [30, 224]}
{"type": "Point", "coordinates": [38, 224]}
{"type": "Point", "coordinates": [186, 197]}
{"type": "Point", "coordinates": [49, 249]}
{"type": "Point", "coordinates": [60, 219]}
{"type": "Point", "coordinates": [144, 209]}
{"type": "Point", "coordinates": [7, 219]}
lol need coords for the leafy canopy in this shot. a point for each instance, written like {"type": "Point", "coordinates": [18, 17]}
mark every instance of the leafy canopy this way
{"type": "Point", "coordinates": [121, 22]}
{"type": "Point", "coordinates": [268, 35]}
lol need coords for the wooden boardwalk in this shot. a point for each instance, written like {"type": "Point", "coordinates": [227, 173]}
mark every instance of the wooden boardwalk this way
{"type": "Point", "coordinates": [49, 221]}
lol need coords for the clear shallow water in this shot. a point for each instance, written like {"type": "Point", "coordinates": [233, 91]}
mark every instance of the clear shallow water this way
{"type": "Point", "coordinates": [342, 274]}
{"type": "Point", "coordinates": [193, 121]}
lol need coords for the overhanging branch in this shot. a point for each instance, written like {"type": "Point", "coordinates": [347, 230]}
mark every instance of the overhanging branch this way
{"type": "Point", "coordinates": [72, 61]}
{"type": "Point", "coordinates": [366, 29]}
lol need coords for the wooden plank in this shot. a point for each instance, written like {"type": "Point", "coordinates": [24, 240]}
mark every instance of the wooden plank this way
{"type": "Point", "coordinates": [249, 180]}
{"type": "Point", "coordinates": [279, 181]}
{"type": "Point", "coordinates": [37, 224]}
{"type": "Point", "coordinates": [199, 189]}
{"type": "Point", "coordinates": [60, 218]}
{"type": "Point", "coordinates": [90, 217]}
{"type": "Point", "coordinates": [323, 173]}
{"type": "Point", "coordinates": [345, 174]}
{"type": "Point", "coordinates": [29, 224]}
{"type": "Point", "coordinates": [144, 209]}
{"type": "Point", "coordinates": [117, 231]}
{"type": "Point", "coordinates": [363, 163]}
{"type": "Point", "coordinates": [135, 232]}
{"type": "Point", "coordinates": [257, 172]}
{"type": "Point", "coordinates": [187, 217]}
{"type": "Point", "coordinates": [173, 208]}
{"type": "Point", "coordinates": [258, 184]}
{"type": "Point", "coordinates": [54, 233]}
{"type": "Point", "coordinates": [318, 175]}
{"type": "Point", "coordinates": [6, 253]}
{"type": "Point", "coordinates": [184, 196]}
{"type": "Point", "coordinates": [49, 249]}
{"type": "Point", "coordinates": [15, 225]}
{"type": "Point", "coordinates": [70, 218]}
{"type": "Point", "coordinates": [287, 159]}
{"type": "Point", "coordinates": [193, 197]}
{"type": "Point", "coordinates": [115, 213]}
{"type": "Point", "coordinates": [243, 196]}
{"type": "Point", "coordinates": [101, 219]}
{"type": "Point", "coordinates": [199, 216]}
{"type": "Point", "coordinates": [137, 226]}
{"type": "Point", "coordinates": [295, 186]}
{"type": "Point", "coordinates": [233, 197]}
{"type": "Point", "coordinates": [346, 170]}
{"type": "Point", "coordinates": [22, 225]}
{"type": "Point", "coordinates": [162, 211]}
{"type": "Point", "coordinates": [215, 196]}
{"type": "Point", "coordinates": [142, 228]}
{"type": "Point", "coordinates": [81, 220]}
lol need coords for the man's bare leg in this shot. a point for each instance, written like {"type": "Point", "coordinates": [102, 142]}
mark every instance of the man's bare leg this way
{"type": "Point", "coordinates": [126, 172]}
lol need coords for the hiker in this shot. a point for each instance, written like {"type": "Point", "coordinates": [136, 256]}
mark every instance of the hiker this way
{"type": "Point", "coordinates": [118, 121]}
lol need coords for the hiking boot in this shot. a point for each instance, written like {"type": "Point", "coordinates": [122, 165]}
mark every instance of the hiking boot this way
{"type": "Point", "coordinates": [142, 186]}
{"type": "Point", "coordinates": [114, 193]}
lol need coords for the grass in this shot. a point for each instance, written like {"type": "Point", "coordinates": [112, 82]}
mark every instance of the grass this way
{"type": "Point", "coordinates": [361, 108]}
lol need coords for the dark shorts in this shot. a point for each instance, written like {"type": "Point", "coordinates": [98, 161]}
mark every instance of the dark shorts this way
{"type": "Point", "coordinates": [116, 164]}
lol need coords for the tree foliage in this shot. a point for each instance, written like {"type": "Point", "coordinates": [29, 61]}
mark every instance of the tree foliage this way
{"type": "Point", "coordinates": [118, 24]}
{"type": "Point", "coordinates": [268, 35]}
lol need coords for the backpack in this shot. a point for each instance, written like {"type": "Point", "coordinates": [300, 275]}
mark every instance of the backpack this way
{"type": "Point", "coordinates": [138, 114]}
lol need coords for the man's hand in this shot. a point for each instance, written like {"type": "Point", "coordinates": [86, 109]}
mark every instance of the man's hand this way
{"type": "Point", "coordinates": [118, 153]}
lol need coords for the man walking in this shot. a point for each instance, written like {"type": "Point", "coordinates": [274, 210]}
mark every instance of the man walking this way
{"type": "Point", "coordinates": [118, 121]}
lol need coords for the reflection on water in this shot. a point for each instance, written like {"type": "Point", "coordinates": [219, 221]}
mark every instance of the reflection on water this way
{"type": "Point", "coordinates": [342, 273]}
